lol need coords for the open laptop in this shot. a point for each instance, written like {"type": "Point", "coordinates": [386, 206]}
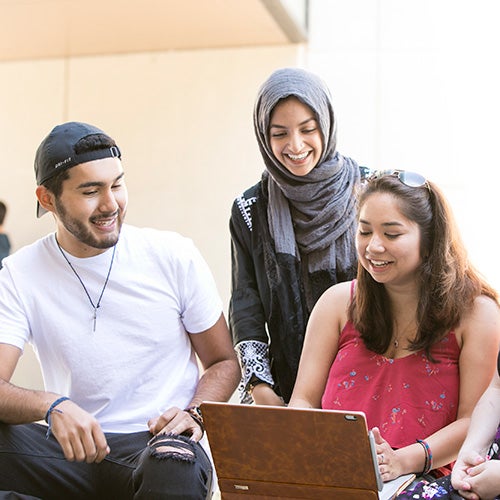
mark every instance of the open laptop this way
{"type": "Point", "coordinates": [279, 452]}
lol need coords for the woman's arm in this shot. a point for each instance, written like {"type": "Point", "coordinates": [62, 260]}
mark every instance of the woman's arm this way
{"type": "Point", "coordinates": [327, 320]}
{"type": "Point", "coordinates": [484, 421]}
{"type": "Point", "coordinates": [479, 337]}
{"type": "Point", "coordinates": [246, 313]}
{"type": "Point", "coordinates": [472, 471]}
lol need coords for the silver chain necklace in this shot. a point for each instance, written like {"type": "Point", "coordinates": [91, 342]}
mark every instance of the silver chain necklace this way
{"type": "Point", "coordinates": [94, 306]}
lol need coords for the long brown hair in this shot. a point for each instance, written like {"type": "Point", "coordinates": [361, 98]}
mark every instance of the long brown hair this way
{"type": "Point", "coordinates": [449, 283]}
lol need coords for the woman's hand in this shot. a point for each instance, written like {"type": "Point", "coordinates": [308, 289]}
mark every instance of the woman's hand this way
{"type": "Point", "coordinates": [483, 481]}
{"type": "Point", "coordinates": [460, 474]}
{"type": "Point", "coordinates": [387, 459]}
{"type": "Point", "coordinates": [263, 394]}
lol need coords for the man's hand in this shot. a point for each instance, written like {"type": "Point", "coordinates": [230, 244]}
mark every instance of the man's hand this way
{"type": "Point", "coordinates": [79, 434]}
{"type": "Point", "coordinates": [175, 421]}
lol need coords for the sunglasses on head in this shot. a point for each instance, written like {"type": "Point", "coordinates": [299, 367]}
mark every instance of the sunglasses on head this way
{"type": "Point", "coordinates": [410, 179]}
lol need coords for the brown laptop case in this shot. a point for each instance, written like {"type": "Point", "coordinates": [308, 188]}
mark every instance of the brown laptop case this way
{"type": "Point", "coordinates": [277, 452]}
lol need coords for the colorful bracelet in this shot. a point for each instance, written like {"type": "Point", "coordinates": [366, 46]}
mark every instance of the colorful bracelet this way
{"type": "Point", "coordinates": [52, 409]}
{"type": "Point", "coordinates": [428, 456]}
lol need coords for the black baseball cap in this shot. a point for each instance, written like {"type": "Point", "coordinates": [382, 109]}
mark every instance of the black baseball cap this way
{"type": "Point", "coordinates": [57, 152]}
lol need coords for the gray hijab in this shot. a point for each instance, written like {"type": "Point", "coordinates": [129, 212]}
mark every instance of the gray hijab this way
{"type": "Point", "coordinates": [310, 216]}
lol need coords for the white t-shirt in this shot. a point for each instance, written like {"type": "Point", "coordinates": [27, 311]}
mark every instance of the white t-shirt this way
{"type": "Point", "coordinates": [139, 361]}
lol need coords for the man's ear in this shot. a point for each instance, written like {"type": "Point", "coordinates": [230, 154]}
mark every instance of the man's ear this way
{"type": "Point", "coordinates": [45, 198]}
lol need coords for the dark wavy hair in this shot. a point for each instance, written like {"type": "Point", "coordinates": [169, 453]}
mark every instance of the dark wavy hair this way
{"type": "Point", "coordinates": [449, 283]}
{"type": "Point", "coordinates": [91, 142]}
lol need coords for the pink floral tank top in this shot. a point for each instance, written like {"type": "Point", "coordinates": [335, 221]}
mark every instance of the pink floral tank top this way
{"type": "Point", "coordinates": [408, 398]}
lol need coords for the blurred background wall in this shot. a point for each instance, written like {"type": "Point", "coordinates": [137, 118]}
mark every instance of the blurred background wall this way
{"type": "Point", "coordinates": [414, 83]}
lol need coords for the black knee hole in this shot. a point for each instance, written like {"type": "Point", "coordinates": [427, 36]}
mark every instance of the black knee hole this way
{"type": "Point", "coordinates": [173, 447]}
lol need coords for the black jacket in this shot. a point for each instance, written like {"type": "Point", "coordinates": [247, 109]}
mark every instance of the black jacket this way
{"type": "Point", "coordinates": [267, 291]}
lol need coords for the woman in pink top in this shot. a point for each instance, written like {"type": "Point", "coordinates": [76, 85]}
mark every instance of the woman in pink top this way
{"type": "Point", "coordinates": [413, 341]}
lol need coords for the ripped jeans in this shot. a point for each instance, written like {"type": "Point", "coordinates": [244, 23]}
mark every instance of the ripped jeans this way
{"type": "Point", "coordinates": [167, 467]}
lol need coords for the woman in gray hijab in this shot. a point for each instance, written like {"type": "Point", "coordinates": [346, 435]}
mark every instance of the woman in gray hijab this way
{"type": "Point", "coordinates": [292, 234]}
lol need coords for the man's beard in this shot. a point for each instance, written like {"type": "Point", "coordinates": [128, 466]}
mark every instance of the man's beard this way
{"type": "Point", "coordinates": [83, 234]}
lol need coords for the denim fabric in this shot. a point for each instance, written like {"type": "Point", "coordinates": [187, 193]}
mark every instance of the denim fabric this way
{"type": "Point", "coordinates": [32, 465]}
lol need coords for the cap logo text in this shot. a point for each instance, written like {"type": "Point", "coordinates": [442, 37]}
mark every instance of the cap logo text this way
{"type": "Point", "coordinates": [62, 163]}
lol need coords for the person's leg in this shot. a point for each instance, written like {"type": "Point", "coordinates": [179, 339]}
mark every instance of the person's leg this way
{"type": "Point", "coordinates": [168, 467]}
{"type": "Point", "coordinates": [30, 464]}
{"type": "Point", "coordinates": [437, 489]}
{"type": "Point", "coordinates": [172, 467]}
{"type": "Point", "coordinates": [12, 495]}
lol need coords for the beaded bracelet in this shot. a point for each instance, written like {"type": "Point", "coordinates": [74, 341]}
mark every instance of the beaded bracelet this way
{"type": "Point", "coordinates": [52, 409]}
{"type": "Point", "coordinates": [428, 456]}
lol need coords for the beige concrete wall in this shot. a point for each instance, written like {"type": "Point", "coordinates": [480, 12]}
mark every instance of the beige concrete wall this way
{"type": "Point", "coordinates": [414, 83]}
{"type": "Point", "coordinates": [182, 119]}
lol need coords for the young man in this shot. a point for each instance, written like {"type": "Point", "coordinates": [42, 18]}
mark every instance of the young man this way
{"type": "Point", "coordinates": [119, 317]}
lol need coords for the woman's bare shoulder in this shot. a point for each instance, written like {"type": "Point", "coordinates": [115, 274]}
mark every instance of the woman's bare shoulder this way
{"type": "Point", "coordinates": [483, 308]}
{"type": "Point", "coordinates": [336, 299]}
{"type": "Point", "coordinates": [483, 319]}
